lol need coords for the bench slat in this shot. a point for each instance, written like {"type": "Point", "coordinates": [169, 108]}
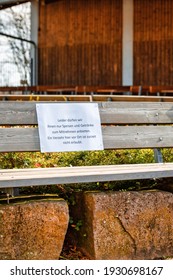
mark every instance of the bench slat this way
{"type": "Point", "coordinates": [46, 176]}
{"type": "Point", "coordinates": [126, 137]}
{"type": "Point", "coordinates": [114, 137]}
{"type": "Point", "coordinates": [14, 113]}
{"type": "Point", "coordinates": [94, 97]}
{"type": "Point", "coordinates": [19, 139]}
{"type": "Point", "coordinates": [73, 169]}
{"type": "Point", "coordinates": [121, 113]}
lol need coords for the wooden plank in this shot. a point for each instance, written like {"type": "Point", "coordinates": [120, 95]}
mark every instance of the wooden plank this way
{"type": "Point", "coordinates": [19, 139]}
{"type": "Point", "coordinates": [24, 113]}
{"type": "Point", "coordinates": [139, 89]}
{"type": "Point", "coordinates": [46, 176]}
{"type": "Point", "coordinates": [13, 113]}
{"type": "Point", "coordinates": [95, 97]}
{"type": "Point", "coordinates": [136, 113]}
{"type": "Point", "coordinates": [160, 89]}
{"type": "Point", "coordinates": [114, 137]}
{"type": "Point", "coordinates": [64, 88]}
{"type": "Point", "coordinates": [17, 113]}
{"type": "Point", "coordinates": [130, 98]}
{"type": "Point", "coordinates": [20, 88]}
{"type": "Point", "coordinates": [137, 137]}
{"type": "Point", "coordinates": [59, 97]}
{"type": "Point", "coordinates": [76, 98]}
{"type": "Point", "coordinates": [60, 90]}
{"type": "Point", "coordinates": [63, 170]}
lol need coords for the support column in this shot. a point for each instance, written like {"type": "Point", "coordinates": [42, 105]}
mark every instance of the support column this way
{"type": "Point", "coordinates": [34, 38]}
{"type": "Point", "coordinates": [127, 44]}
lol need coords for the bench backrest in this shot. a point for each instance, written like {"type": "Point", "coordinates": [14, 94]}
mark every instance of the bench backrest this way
{"type": "Point", "coordinates": [124, 125]}
{"type": "Point", "coordinates": [161, 90]}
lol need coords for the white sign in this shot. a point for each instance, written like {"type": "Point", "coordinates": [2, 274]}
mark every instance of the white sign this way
{"type": "Point", "coordinates": [69, 127]}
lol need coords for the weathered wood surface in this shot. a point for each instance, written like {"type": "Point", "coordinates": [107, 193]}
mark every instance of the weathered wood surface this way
{"type": "Point", "coordinates": [124, 125]}
{"type": "Point", "coordinates": [49, 176]}
{"type": "Point", "coordinates": [81, 44]}
{"type": "Point", "coordinates": [114, 137]}
{"type": "Point", "coordinates": [24, 113]}
{"type": "Point", "coordinates": [152, 45]}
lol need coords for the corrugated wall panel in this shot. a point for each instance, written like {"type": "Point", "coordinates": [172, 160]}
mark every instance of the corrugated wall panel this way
{"type": "Point", "coordinates": [153, 42]}
{"type": "Point", "coordinates": [80, 42]}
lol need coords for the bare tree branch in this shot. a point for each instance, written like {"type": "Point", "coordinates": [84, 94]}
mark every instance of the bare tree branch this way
{"type": "Point", "coordinates": [16, 21]}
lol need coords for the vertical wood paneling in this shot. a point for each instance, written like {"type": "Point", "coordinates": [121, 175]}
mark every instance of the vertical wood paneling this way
{"type": "Point", "coordinates": [153, 42]}
{"type": "Point", "coordinates": [80, 42]}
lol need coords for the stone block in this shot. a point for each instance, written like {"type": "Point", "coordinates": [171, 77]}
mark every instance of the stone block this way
{"type": "Point", "coordinates": [33, 230]}
{"type": "Point", "coordinates": [126, 225]}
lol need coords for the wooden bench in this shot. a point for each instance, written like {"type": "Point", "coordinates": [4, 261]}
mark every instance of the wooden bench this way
{"type": "Point", "coordinates": [61, 89]}
{"type": "Point", "coordinates": [161, 90]}
{"type": "Point", "coordinates": [125, 125]}
{"type": "Point", "coordinates": [89, 90]}
{"type": "Point", "coordinates": [139, 90]}
{"type": "Point", "coordinates": [112, 90]}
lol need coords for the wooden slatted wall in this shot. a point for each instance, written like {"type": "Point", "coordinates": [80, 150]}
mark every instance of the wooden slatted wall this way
{"type": "Point", "coordinates": [153, 42]}
{"type": "Point", "coordinates": [80, 42]}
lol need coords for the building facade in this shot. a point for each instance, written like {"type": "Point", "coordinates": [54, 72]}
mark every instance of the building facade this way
{"type": "Point", "coordinates": [103, 42]}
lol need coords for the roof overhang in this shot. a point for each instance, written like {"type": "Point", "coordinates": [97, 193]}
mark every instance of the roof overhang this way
{"type": "Point", "coordinates": [4, 4]}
